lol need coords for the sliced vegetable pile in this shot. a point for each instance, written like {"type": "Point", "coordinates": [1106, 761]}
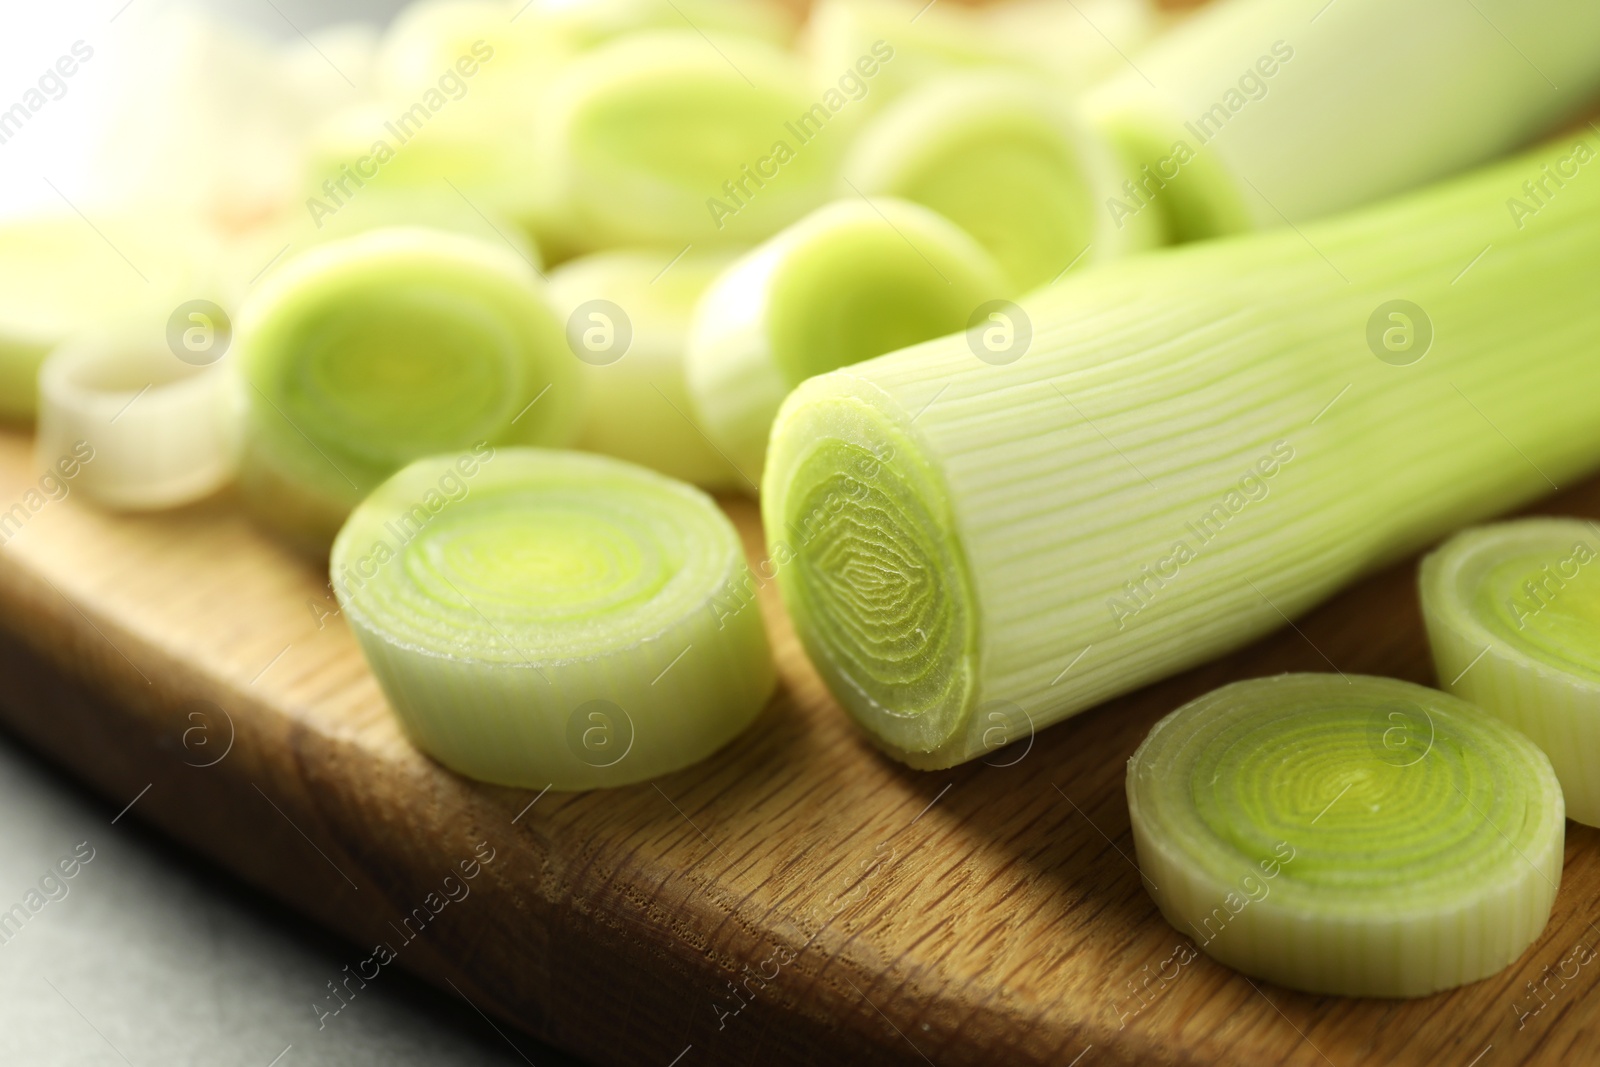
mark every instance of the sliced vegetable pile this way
{"type": "Point", "coordinates": [898, 269]}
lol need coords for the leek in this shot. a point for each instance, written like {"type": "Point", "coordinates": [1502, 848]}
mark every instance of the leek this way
{"type": "Point", "coordinates": [666, 138]}
{"type": "Point", "coordinates": [627, 314]}
{"type": "Point", "coordinates": [1008, 160]}
{"type": "Point", "coordinates": [1198, 444]}
{"type": "Point", "coordinates": [1513, 613]}
{"type": "Point", "coordinates": [163, 431]}
{"type": "Point", "coordinates": [555, 619]}
{"type": "Point", "coordinates": [1253, 112]}
{"type": "Point", "coordinates": [851, 281]}
{"type": "Point", "coordinates": [361, 355]}
{"type": "Point", "coordinates": [1356, 836]}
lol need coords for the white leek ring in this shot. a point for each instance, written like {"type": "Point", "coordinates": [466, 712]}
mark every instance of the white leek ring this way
{"type": "Point", "coordinates": [163, 432]}
{"type": "Point", "coordinates": [540, 618]}
{"type": "Point", "coordinates": [1357, 836]}
{"type": "Point", "coordinates": [1513, 614]}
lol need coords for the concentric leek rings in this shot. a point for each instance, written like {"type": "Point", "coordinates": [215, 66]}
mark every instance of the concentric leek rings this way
{"type": "Point", "coordinates": [1358, 836]}
{"type": "Point", "coordinates": [1513, 614]}
{"type": "Point", "coordinates": [552, 618]}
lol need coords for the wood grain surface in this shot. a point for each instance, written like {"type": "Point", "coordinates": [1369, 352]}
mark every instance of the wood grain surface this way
{"type": "Point", "coordinates": [796, 899]}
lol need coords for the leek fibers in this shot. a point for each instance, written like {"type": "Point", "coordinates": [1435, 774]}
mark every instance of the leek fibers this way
{"type": "Point", "coordinates": [361, 355]}
{"type": "Point", "coordinates": [1196, 445]}
{"type": "Point", "coordinates": [851, 281]}
{"type": "Point", "coordinates": [542, 618]}
{"type": "Point", "coordinates": [627, 314]}
{"type": "Point", "coordinates": [1513, 613]}
{"type": "Point", "coordinates": [1253, 112]}
{"type": "Point", "coordinates": [1356, 836]}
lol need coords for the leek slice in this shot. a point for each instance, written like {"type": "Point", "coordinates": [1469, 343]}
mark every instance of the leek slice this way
{"type": "Point", "coordinates": [542, 618]}
{"type": "Point", "coordinates": [662, 138]}
{"type": "Point", "coordinates": [1356, 836]}
{"type": "Point", "coordinates": [1008, 160]}
{"type": "Point", "coordinates": [164, 432]}
{"type": "Point", "coordinates": [1513, 614]}
{"type": "Point", "coordinates": [1197, 443]}
{"type": "Point", "coordinates": [627, 314]}
{"type": "Point", "coordinates": [849, 282]}
{"type": "Point", "coordinates": [62, 276]}
{"type": "Point", "coordinates": [1252, 112]}
{"type": "Point", "coordinates": [361, 355]}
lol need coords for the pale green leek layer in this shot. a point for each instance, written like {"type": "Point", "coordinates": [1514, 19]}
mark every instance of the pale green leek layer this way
{"type": "Point", "coordinates": [627, 314]}
{"type": "Point", "coordinates": [1008, 160]}
{"type": "Point", "coordinates": [541, 618]}
{"type": "Point", "coordinates": [1356, 836]}
{"type": "Point", "coordinates": [363, 354]}
{"type": "Point", "coordinates": [851, 281]}
{"type": "Point", "coordinates": [1194, 447]}
{"type": "Point", "coordinates": [1513, 613]}
{"type": "Point", "coordinates": [1256, 111]}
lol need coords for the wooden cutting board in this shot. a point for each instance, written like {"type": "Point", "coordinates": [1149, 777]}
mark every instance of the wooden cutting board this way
{"type": "Point", "coordinates": [796, 899]}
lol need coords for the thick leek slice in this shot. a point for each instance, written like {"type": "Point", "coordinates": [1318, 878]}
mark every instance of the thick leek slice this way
{"type": "Point", "coordinates": [542, 618]}
{"type": "Point", "coordinates": [163, 431]}
{"type": "Point", "coordinates": [1253, 112]}
{"type": "Point", "coordinates": [361, 355]}
{"type": "Point", "coordinates": [1196, 444]}
{"type": "Point", "coordinates": [1513, 613]}
{"type": "Point", "coordinates": [627, 314]}
{"type": "Point", "coordinates": [1008, 160]}
{"type": "Point", "coordinates": [851, 281]}
{"type": "Point", "coordinates": [1357, 836]}
{"type": "Point", "coordinates": [663, 138]}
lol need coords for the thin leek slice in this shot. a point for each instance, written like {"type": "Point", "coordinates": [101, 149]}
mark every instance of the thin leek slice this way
{"type": "Point", "coordinates": [1195, 444]}
{"type": "Point", "coordinates": [627, 314]}
{"type": "Point", "coordinates": [659, 138]}
{"type": "Point", "coordinates": [62, 276]}
{"type": "Point", "coordinates": [361, 355]}
{"type": "Point", "coordinates": [849, 282]}
{"type": "Point", "coordinates": [163, 432]}
{"type": "Point", "coordinates": [1008, 160]}
{"type": "Point", "coordinates": [1513, 614]}
{"type": "Point", "coordinates": [1356, 836]}
{"type": "Point", "coordinates": [542, 618]}
{"type": "Point", "coordinates": [1245, 115]}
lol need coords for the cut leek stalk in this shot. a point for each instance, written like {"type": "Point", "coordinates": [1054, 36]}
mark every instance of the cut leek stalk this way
{"type": "Point", "coordinates": [851, 281]}
{"type": "Point", "coordinates": [1513, 613]}
{"type": "Point", "coordinates": [627, 314]}
{"type": "Point", "coordinates": [1248, 114]}
{"type": "Point", "coordinates": [1355, 836]}
{"type": "Point", "coordinates": [1008, 160]}
{"type": "Point", "coordinates": [557, 619]}
{"type": "Point", "coordinates": [361, 355]}
{"type": "Point", "coordinates": [1196, 444]}
{"type": "Point", "coordinates": [60, 278]}
{"type": "Point", "coordinates": [164, 432]}
{"type": "Point", "coordinates": [662, 138]}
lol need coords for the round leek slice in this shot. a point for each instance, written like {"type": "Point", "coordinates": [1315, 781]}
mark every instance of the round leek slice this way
{"type": "Point", "coordinates": [1513, 614]}
{"type": "Point", "coordinates": [541, 618]}
{"type": "Point", "coordinates": [364, 354]}
{"type": "Point", "coordinates": [1008, 160]}
{"type": "Point", "coordinates": [163, 432]}
{"type": "Point", "coordinates": [627, 314]}
{"type": "Point", "coordinates": [662, 138]}
{"type": "Point", "coordinates": [851, 281]}
{"type": "Point", "coordinates": [1356, 836]}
